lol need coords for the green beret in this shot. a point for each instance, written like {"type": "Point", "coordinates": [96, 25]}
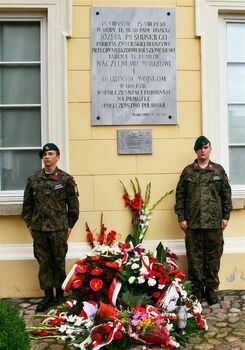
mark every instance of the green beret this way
{"type": "Point", "coordinates": [49, 147]}
{"type": "Point", "coordinates": [200, 141]}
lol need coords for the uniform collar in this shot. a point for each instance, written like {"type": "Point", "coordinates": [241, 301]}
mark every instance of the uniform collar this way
{"type": "Point", "coordinates": [196, 167]}
{"type": "Point", "coordinates": [54, 176]}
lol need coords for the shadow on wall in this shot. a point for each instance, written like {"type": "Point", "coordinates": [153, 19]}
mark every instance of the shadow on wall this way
{"type": "Point", "coordinates": [231, 278]}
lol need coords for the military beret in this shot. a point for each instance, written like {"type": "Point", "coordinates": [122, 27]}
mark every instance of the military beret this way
{"type": "Point", "coordinates": [201, 141]}
{"type": "Point", "coordinates": [49, 147]}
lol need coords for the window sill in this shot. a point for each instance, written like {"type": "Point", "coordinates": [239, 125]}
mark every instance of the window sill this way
{"type": "Point", "coordinates": [7, 209]}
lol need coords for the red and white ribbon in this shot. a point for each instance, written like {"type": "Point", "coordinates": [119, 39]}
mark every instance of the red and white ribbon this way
{"type": "Point", "coordinates": [114, 291]}
{"type": "Point", "coordinates": [70, 303]}
{"type": "Point", "coordinates": [171, 343]}
{"type": "Point", "coordinates": [69, 278]}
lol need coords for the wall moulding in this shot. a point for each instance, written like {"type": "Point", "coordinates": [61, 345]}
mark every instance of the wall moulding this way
{"type": "Point", "coordinates": [235, 245]}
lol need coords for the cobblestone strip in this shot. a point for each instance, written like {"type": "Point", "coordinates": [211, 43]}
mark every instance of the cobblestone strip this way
{"type": "Point", "coordinates": [226, 322]}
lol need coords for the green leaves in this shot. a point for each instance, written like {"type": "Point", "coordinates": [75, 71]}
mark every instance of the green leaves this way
{"type": "Point", "coordinates": [161, 255]}
{"type": "Point", "coordinates": [187, 287]}
{"type": "Point", "coordinates": [131, 300]}
{"type": "Point", "coordinates": [147, 195]}
{"type": "Point", "coordinates": [129, 238]}
{"type": "Point", "coordinates": [159, 200]}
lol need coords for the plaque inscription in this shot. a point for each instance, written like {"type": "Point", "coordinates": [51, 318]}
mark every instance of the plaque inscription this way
{"type": "Point", "coordinates": [134, 141]}
{"type": "Point", "coordinates": [133, 66]}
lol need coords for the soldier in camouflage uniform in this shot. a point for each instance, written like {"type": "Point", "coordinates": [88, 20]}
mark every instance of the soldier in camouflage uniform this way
{"type": "Point", "coordinates": [50, 210]}
{"type": "Point", "coordinates": [203, 205]}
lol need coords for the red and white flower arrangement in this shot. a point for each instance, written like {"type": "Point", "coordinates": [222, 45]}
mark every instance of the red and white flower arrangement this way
{"type": "Point", "coordinates": [121, 294]}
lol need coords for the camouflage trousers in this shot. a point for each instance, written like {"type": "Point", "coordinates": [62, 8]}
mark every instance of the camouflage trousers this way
{"type": "Point", "coordinates": [50, 250]}
{"type": "Point", "coordinates": [204, 249]}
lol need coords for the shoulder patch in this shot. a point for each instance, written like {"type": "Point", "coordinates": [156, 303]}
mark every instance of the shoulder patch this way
{"type": "Point", "coordinates": [76, 189]}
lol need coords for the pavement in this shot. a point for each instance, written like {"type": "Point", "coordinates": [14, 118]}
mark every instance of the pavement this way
{"type": "Point", "coordinates": [226, 324]}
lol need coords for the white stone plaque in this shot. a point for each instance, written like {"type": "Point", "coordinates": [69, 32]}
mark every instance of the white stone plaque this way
{"type": "Point", "coordinates": [133, 66]}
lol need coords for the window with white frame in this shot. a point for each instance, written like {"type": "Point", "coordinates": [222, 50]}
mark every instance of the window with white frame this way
{"type": "Point", "coordinates": [22, 99]}
{"type": "Point", "coordinates": [235, 47]}
{"type": "Point", "coordinates": [33, 89]}
{"type": "Point", "coordinates": [220, 25]}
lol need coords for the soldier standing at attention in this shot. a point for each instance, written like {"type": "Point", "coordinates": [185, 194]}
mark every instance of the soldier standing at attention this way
{"type": "Point", "coordinates": [50, 210]}
{"type": "Point", "coordinates": [203, 205]}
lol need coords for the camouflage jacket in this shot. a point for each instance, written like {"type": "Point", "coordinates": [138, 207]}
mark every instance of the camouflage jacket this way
{"type": "Point", "coordinates": [203, 196]}
{"type": "Point", "coordinates": [50, 203]}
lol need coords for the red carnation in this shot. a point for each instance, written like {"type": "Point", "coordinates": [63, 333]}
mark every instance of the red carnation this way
{"type": "Point", "coordinates": [107, 328]}
{"type": "Point", "coordinates": [161, 268]}
{"type": "Point", "coordinates": [165, 279]}
{"type": "Point", "coordinates": [118, 335]}
{"type": "Point", "coordinates": [96, 337]}
{"type": "Point", "coordinates": [156, 295]}
{"type": "Point", "coordinates": [96, 284]}
{"type": "Point", "coordinates": [140, 308]}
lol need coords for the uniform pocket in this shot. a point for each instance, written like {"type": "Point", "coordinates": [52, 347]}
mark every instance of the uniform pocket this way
{"type": "Point", "coordinates": [215, 184]}
{"type": "Point", "coordinates": [59, 193]}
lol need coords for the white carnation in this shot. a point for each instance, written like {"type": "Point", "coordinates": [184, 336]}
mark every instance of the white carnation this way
{"type": "Point", "coordinates": [135, 266]}
{"type": "Point", "coordinates": [141, 279]}
{"type": "Point", "coordinates": [131, 280]}
{"type": "Point", "coordinates": [161, 286]}
{"type": "Point", "coordinates": [152, 282]}
{"type": "Point", "coordinates": [136, 259]}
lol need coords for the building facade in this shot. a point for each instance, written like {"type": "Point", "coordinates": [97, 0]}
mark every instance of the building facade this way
{"type": "Point", "coordinates": [45, 72]}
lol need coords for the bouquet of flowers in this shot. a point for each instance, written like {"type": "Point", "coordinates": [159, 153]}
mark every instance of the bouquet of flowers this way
{"type": "Point", "coordinates": [121, 294]}
{"type": "Point", "coordinates": [140, 209]}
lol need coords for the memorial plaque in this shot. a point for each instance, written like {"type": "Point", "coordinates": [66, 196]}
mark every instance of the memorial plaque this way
{"type": "Point", "coordinates": [134, 141]}
{"type": "Point", "coordinates": [133, 66]}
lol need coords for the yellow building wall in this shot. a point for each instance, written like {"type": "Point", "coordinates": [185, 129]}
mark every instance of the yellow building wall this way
{"type": "Point", "coordinates": [97, 167]}
{"type": "Point", "coordinates": [93, 149]}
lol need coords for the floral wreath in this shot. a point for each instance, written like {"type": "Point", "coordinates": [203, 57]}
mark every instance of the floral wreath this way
{"type": "Point", "coordinates": [120, 294]}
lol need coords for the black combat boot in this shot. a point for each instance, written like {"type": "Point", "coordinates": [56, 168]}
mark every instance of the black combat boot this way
{"type": "Point", "coordinates": [59, 296]}
{"type": "Point", "coordinates": [211, 296]}
{"type": "Point", "coordinates": [47, 301]}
